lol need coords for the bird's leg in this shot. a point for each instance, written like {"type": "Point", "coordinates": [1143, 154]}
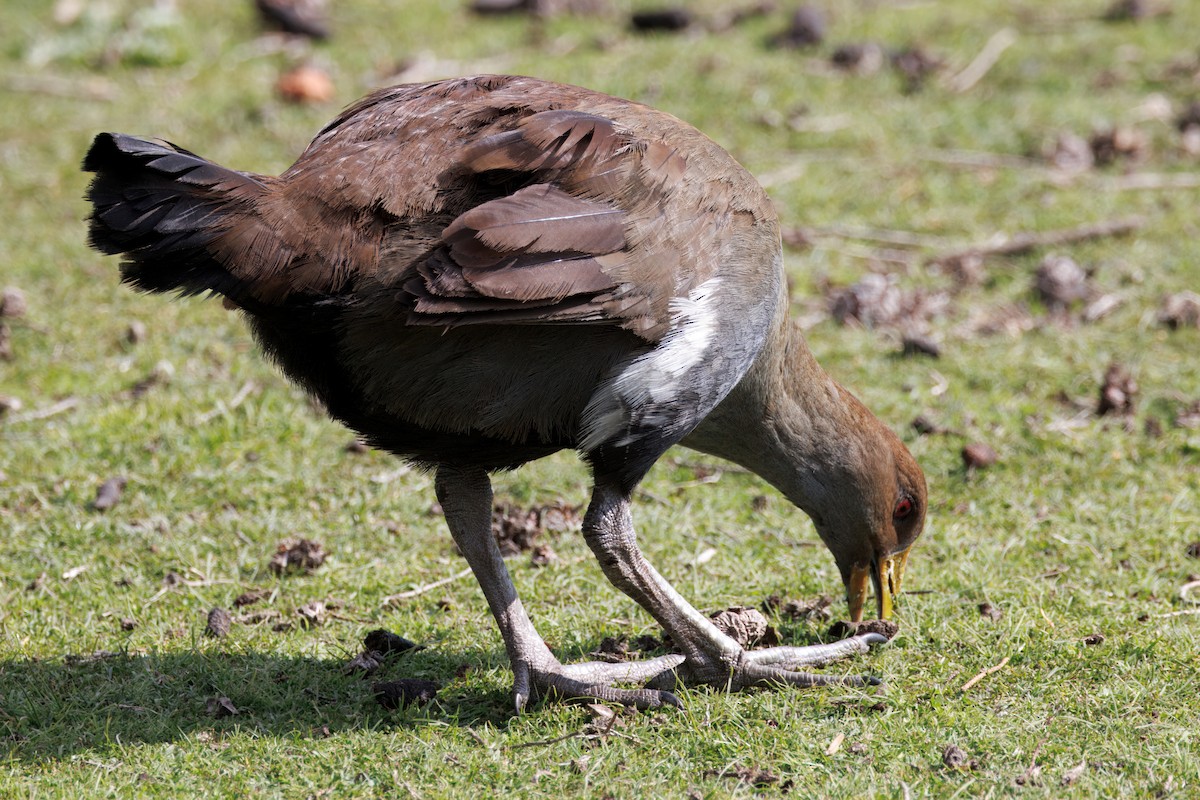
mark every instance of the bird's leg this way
{"type": "Point", "coordinates": [710, 656]}
{"type": "Point", "coordinates": [466, 498]}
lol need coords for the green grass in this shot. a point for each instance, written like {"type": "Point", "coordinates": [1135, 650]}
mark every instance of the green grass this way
{"type": "Point", "coordinates": [1081, 528]}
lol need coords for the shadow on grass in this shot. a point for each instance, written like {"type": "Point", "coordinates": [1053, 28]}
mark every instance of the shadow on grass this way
{"type": "Point", "coordinates": [54, 708]}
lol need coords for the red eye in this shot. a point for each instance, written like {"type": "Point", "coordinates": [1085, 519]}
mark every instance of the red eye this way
{"type": "Point", "coordinates": [904, 507]}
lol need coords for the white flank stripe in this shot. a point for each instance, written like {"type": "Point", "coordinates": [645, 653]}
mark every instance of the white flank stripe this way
{"type": "Point", "coordinates": [653, 379]}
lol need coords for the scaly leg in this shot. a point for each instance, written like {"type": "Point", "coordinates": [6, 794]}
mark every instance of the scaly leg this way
{"type": "Point", "coordinates": [710, 656]}
{"type": "Point", "coordinates": [466, 498]}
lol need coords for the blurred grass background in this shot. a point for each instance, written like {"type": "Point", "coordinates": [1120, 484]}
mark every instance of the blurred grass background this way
{"type": "Point", "coordinates": [1082, 527]}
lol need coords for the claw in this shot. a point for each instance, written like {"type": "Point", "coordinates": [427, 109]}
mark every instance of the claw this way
{"type": "Point", "coordinates": [521, 689]}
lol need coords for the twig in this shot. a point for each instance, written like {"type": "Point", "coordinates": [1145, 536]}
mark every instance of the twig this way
{"type": "Point", "coordinates": [54, 409]}
{"type": "Point", "coordinates": [1000, 41]}
{"type": "Point", "coordinates": [54, 86]}
{"type": "Point", "coordinates": [395, 598]}
{"type": "Point", "coordinates": [984, 674]}
{"type": "Point", "coordinates": [1037, 749]}
{"type": "Point", "coordinates": [1024, 242]}
{"type": "Point", "coordinates": [1178, 613]}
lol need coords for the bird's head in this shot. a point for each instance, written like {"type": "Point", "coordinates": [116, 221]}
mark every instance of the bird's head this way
{"type": "Point", "coordinates": [871, 515]}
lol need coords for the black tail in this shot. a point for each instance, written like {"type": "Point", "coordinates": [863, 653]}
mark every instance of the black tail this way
{"type": "Point", "coordinates": [167, 210]}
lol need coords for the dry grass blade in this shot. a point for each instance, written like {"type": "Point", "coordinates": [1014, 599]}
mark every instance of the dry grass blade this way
{"type": "Point", "coordinates": [984, 674]}
{"type": "Point", "coordinates": [1000, 41]}
{"type": "Point", "coordinates": [420, 590]}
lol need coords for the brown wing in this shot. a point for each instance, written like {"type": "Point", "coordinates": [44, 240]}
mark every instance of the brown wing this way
{"type": "Point", "coordinates": [565, 247]}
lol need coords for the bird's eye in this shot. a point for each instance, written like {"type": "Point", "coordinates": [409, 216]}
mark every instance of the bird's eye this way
{"type": "Point", "coordinates": [904, 507]}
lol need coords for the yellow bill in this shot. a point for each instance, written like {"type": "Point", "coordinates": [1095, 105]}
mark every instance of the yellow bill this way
{"type": "Point", "coordinates": [886, 576]}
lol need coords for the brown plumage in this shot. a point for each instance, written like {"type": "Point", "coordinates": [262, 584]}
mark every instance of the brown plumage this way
{"type": "Point", "coordinates": [478, 272]}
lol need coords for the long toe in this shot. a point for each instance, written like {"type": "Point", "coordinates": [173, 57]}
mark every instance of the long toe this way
{"type": "Point", "coordinates": [763, 675]}
{"type": "Point", "coordinates": [771, 666]}
{"type": "Point", "coordinates": [643, 699]}
{"type": "Point", "coordinates": [596, 680]}
{"type": "Point", "coordinates": [636, 671]}
{"type": "Point", "coordinates": [816, 655]}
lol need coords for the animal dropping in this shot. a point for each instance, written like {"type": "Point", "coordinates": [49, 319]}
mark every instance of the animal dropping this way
{"type": "Point", "coordinates": [475, 273]}
{"type": "Point", "coordinates": [219, 622]}
{"type": "Point", "coordinates": [404, 692]}
{"type": "Point", "coordinates": [304, 555]}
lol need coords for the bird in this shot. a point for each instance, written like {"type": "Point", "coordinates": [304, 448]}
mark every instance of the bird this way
{"type": "Point", "coordinates": [477, 272]}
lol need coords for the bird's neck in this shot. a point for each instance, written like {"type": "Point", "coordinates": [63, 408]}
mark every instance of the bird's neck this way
{"type": "Point", "coordinates": [787, 421]}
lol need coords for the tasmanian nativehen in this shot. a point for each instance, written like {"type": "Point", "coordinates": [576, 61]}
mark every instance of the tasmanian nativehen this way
{"type": "Point", "coordinates": [479, 272]}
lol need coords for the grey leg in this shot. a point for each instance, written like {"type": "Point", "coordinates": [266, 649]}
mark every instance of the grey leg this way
{"type": "Point", "coordinates": [466, 498]}
{"type": "Point", "coordinates": [711, 656]}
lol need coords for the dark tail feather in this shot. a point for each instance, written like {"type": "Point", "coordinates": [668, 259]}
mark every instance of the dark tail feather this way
{"type": "Point", "coordinates": [165, 210]}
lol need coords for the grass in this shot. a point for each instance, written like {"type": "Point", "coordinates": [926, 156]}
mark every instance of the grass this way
{"type": "Point", "coordinates": [1081, 528]}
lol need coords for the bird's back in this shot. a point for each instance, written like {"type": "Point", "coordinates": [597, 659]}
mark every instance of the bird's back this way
{"type": "Point", "coordinates": [493, 268]}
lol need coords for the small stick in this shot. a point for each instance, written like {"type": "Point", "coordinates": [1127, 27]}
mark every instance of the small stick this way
{"type": "Point", "coordinates": [54, 409]}
{"type": "Point", "coordinates": [1000, 41]}
{"type": "Point", "coordinates": [985, 673]}
{"type": "Point", "coordinates": [395, 598]}
{"type": "Point", "coordinates": [835, 745]}
{"type": "Point", "coordinates": [1024, 242]}
{"type": "Point", "coordinates": [1178, 613]}
{"type": "Point", "coordinates": [234, 402]}
{"type": "Point", "coordinates": [1037, 749]}
{"type": "Point", "coordinates": [53, 86]}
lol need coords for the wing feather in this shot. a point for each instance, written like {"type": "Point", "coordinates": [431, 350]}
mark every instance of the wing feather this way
{"type": "Point", "coordinates": [540, 219]}
{"type": "Point", "coordinates": [563, 247]}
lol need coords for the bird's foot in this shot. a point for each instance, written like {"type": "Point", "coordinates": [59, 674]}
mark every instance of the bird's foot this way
{"type": "Point", "coordinates": [771, 666]}
{"type": "Point", "coordinates": [595, 680]}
